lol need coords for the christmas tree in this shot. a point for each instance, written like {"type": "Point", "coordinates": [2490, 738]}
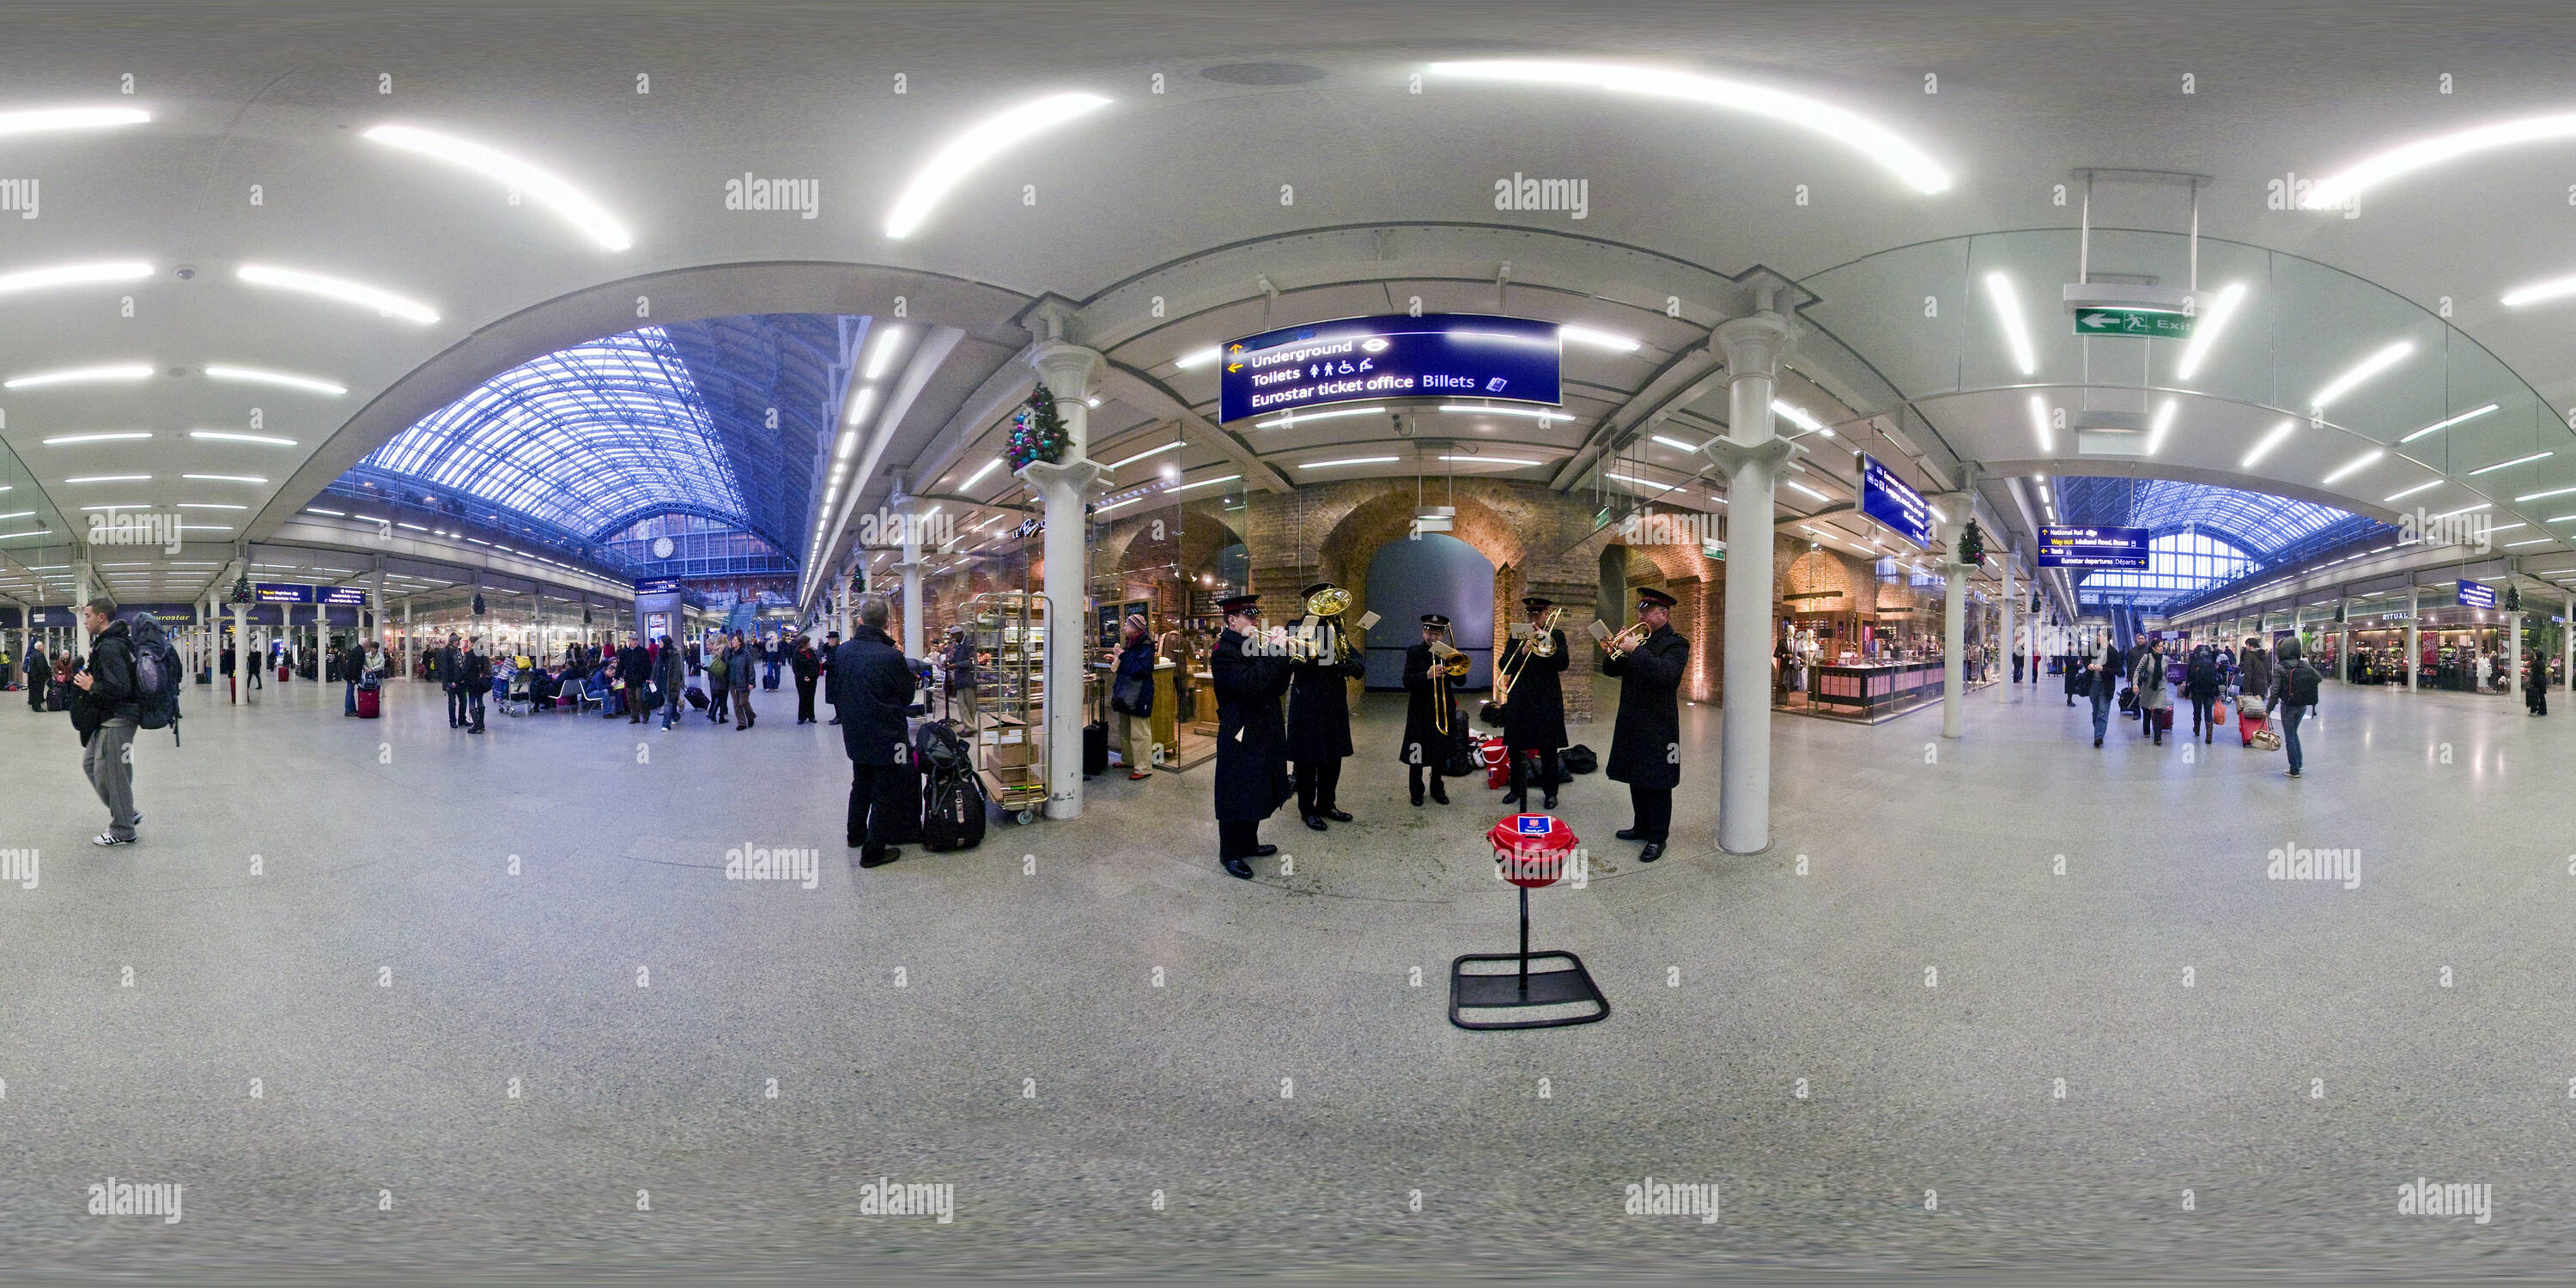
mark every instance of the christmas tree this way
{"type": "Point", "coordinates": [1037, 432]}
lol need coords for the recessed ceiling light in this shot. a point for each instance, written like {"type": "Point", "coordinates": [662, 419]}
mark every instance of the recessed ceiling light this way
{"type": "Point", "coordinates": [980, 143]}
{"type": "Point", "coordinates": [1196, 358]}
{"type": "Point", "coordinates": [2361, 371]}
{"type": "Point", "coordinates": [2039, 425]}
{"type": "Point", "coordinates": [1798, 416]}
{"type": "Point", "coordinates": [2440, 425]}
{"type": "Point", "coordinates": [2274, 439]}
{"type": "Point", "coordinates": [254, 376]}
{"type": "Point", "coordinates": [225, 478]}
{"type": "Point", "coordinates": [1227, 478]}
{"type": "Point", "coordinates": [1597, 339]}
{"type": "Point", "coordinates": [385, 303]}
{"type": "Point", "coordinates": [2007, 305]}
{"type": "Point", "coordinates": [2499, 465]}
{"type": "Point", "coordinates": [81, 375]}
{"type": "Point", "coordinates": [1299, 418]}
{"type": "Point", "coordinates": [2394, 497]}
{"type": "Point", "coordinates": [2361, 462]}
{"type": "Point", "coordinates": [1489, 460]}
{"type": "Point", "coordinates": [116, 436]}
{"type": "Point", "coordinates": [567, 202]}
{"type": "Point", "coordinates": [1883, 146]}
{"type": "Point", "coordinates": [2164, 421]}
{"type": "Point", "coordinates": [882, 352]}
{"type": "Point", "coordinates": [2337, 189]}
{"type": "Point", "coordinates": [859, 405]}
{"type": "Point", "coordinates": [37, 120]}
{"type": "Point", "coordinates": [1540, 414]}
{"type": "Point", "coordinates": [1806, 489]}
{"type": "Point", "coordinates": [228, 436]}
{"type": "Point", "coordinates": [1150, 451]}
{"type": "Point", "coordinates": [1348, 460]}
{"type": "Point", "coordinates": [112, 478]}
{"type": "Point", "coordinates": [2205, 335]}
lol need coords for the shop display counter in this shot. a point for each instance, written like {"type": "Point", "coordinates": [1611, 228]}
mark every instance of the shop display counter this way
{"type": "Point", "coordinates": [1870, 690]}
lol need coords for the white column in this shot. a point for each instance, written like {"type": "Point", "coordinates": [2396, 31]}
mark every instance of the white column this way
{"type": "Point", "coordinates": [1954, 627]}
{"type": "Point", "coordinates": [2010, 646]}
{"type": "Point", "coordinates": [2412, 607]}
{"type": "Point", "coordinates": [1751, 455]}
{"type": "Point", "coordinates": [2567, 635]}
{"type": "Point", "coordinates": [2513, 645]}
{"type": "Point", "coordinates": [2343, 637]}
{"type": "Point", "coordinates": [909, 514]}
{"type": "Point", "coordinates": [405, 668]}
{"type": "Point", "coordinates": [81, 593]}
{"type": "Point", "coordinates": [841, 601]}
{"type": "Point", "coordinates": [241, 655]}
{"type": "Point", "coordinates": [1066, 488]}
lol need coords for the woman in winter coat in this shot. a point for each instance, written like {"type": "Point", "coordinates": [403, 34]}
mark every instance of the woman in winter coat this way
{"type": "Point", "coordinates": [2202, 679]}
{"type": "Point", "coordinates": [2153, 697]}
{"type": "Point", "coordinates": [2535, 686]}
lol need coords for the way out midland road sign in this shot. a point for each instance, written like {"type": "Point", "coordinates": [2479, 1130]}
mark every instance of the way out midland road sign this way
{"type": "Point", "coordinates": [2137, 322]}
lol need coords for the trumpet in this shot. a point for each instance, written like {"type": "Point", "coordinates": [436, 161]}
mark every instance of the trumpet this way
{"type": "Point", "coordinates": [1625, 642]}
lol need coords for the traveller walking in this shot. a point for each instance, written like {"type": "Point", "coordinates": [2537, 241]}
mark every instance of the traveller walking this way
{"type": "Point", "coordinates": [474, 680]}
{"type": "Point", "coordinates": [672, 674]}
{"type": "Point", "coordinates": [741, 668]}
{"type": "Point", "coordinates": [2155, 701]}
{"type": "Point", "coordinates": [2294, 693]}
{"type": "Point", "coordinates": [2101, 674]}
{"type": "Point", "coordinates": [719, 688]}
{"type": "Point", "coordinates": [2535, 686]}
{"type": "Point", "coordinates": [40, 674]}
{"type": "Point", "coordinates": [451, 673]}
{"type": "Point", "coordinates": [633, 670]}
{"type": "Point", "coordinates": [106, 714]}
{"type": "Point", "coordinates": [2254, 671]}
{"type": "Point", "coordinates": [808, 667]}
{"type": "Point", "coordinates": [2201, 681]}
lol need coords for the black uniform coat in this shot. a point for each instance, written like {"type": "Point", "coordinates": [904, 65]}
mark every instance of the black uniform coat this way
{"type": "Point", "coordinates": [1534, 709]}
{"type": "Point", "coordinates": [1428, 693]}
{"type": "Point", "coordinates": [1645, 745]}
{"type": "Point", "coordinates": [1319, 708]}
{"type": "Point", "coordinates": [872, 688]}
{"type": "Point", "coordinates": [1251, 744]}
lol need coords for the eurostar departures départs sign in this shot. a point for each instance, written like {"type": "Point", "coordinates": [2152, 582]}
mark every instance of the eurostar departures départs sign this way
{"type": "Point", "coordinates": [2089, 546]}
{"type": "Point", "coordinates": [2474, 595]}
{"type": "Point", "coordinates": [1894, 503]}
{"type": "Point", "coordinates": [1436, 355]}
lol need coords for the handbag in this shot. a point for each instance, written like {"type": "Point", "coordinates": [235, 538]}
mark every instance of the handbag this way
{"type": "Point", "coordinates": [2128, 698]}
{"type": "Point", "coordinates": [1492, 714]}
{"type": "Point", "coordinates": [1130, 696]}
{"type": "Point", "coordinates": [2267, 740]}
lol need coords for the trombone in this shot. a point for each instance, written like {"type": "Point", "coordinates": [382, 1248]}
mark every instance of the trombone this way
{"type": "Point", "coordinates": [1541, 643]}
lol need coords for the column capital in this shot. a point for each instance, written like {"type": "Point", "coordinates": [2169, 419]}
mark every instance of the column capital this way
{"type": "Point", "coordinates": [1082, 478]}
{"type": "Point", "coordinates": [1753, 345]}
{"type": "Point", "coordinates": [1733, 456]}
{"type": "Point", "coordinates": [1067, 368]}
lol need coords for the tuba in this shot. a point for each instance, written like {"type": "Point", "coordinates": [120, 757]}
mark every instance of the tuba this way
{"type": "Point", "coordinates": [1331, 601]}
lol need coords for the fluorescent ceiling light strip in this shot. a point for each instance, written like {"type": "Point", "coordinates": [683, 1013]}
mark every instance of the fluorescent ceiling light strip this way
{"type": "Point", "coordinates": [118, 436]}
{"type": "Point", "coordinates": [1228, 478]}
{"type": "Point", "coordinates": [228, 436]}
{"type": "Point", "coordinates": [2535, 541]}
{"type": "Point", "coordinates": [1104, 509]}
{"type": "Point", "coordinates": [2164, 421]}
{"type": "Point", "coordinates": [81, 375]}
{"type": "Point", "coordinates": [1882, 146]}
{"type": "Point", "coordinates": [2274, 439]}
{"type": "Point", "coordinates": [859, 405]}
{"type": "Point", "coordinates": [1798, 416]}
{"type": "Point", "coordinates": [253, 375]}
{"type": "Point", "coordinates": [567, 202]}
{"type": "Point", "coordinates": [1150, 451]}
{"type": "Point", "coordinates": [1198, 357]}
{"type": "Point", "coordinates": [980, 143]}
{"type": "Point", "coordinates": [1294, 418]}
{"type": "Point", "coordinates": [1597, 339]}
{"type": "Point", "coordinates": [385, 303]}
{"type": "Point", "coordinates": [2361, 371]}
{"type": "Point", "coordinates": [1489, 460]}
{"type": "Point", "coordinates": [1999, 291]}
{"type": "Point", "coordinates": [2339, 188]}
{"type": "Point", "coordinates": [34, 279]}
{"type": "Point", "coordinates": [2500, 465]}
{"type": "Point", "coordinates": [2466, 509]}
{"type": "Point", "coordinates": [225, 478]}
{"type": "Point", "coordinates": [40, 119]}
{"type": "Point", "coordinates": [209, 505]}
{"type": "Point", "coordinates": [1673, 442]}
{"type": "Point", "coordinates": [1806, 489]}
{"type": "Point", "coordinates": [112, 478]}
{"type": "Point", "coordinates": [978, 476]}
{"type": "Point", "coordinates": [882, 352]}
{"type": "Point", "coordinates": [2361, 462]}
{"type": "Point", "coordinates": [1534, 413]}
{"type": "Point", "coordinates": [2534, 496]}
{"type": "Point", "coordinates": [2394, 497]}
{"type": "Point", "coordinates": [2204, 335]}
{"type": "Point", "coordinates": [2440, 425]}
{"type": "Point", "coordinates": [2040, 426]}
{"type": "Point", "coordinates": [1348, 460]}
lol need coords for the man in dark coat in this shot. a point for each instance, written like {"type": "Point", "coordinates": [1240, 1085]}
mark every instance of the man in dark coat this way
{"type": "Point", "coordinates": [634, 667]}
{"type": "Point", "coordinates": [1646, 745]}
{"type": "Point", "coordinates": [1534, 706]}
{"type": "Point", "coordinates": [1319, 714]}
{"type": "Point", "coordinates": [1430, 714]}
{"type": "Point", "coordinates": [1250, 673]}
{"type": "Point", "coordinates": [872, 689]}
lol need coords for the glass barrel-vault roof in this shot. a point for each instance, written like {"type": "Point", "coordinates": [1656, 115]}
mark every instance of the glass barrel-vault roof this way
{"type": "Point", "coordinates": [2252, 521]}
{"type": "Point", "coordinates": [582, 437]}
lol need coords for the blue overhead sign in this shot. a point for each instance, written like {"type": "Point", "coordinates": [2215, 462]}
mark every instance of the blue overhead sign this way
{"type": "Point", "coordinates": [345, 595]}
{"type": "Point", "coordinates": [2473, 595]}
{"type": "Point", "coordinates": [2086, 546]}
{"type": "Point", "coordinates": [271, 592]}
{"type": "Point", "coordinates": [657, 586]}
{"type": "Point", "coordinates": [1893, 503]}
{"type": "Point", "coordinates": [1437, 355]}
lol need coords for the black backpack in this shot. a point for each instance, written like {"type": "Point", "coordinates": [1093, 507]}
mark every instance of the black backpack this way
{"type": "Point", "coordinates": [2303, 684]}
{"type": "Point", "coordinates": [156, 675]}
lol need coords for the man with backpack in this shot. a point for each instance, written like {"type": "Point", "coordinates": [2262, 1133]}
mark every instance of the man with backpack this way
{"type": "Point", "coordinates": [2294, 684]}
{"type": "Point", "coordinates": [114, 695]}
{"type": "Point", "coordinates": [2202, 679]}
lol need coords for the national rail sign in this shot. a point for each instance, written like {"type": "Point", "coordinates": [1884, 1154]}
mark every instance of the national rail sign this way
{"type": "Point", "coordinates": [274, 592]}
{"type": "Point", "coordinates": [345, 596]}
{"type": "Point", "coordinates": [1436, 355]}
{"type": "Point", "coordinates": [2066, 545]}
{"type": "Point", "coordinates": [2474, 595]}
{"type": "Point", "coordinates": [1894, 503]}
{"type": "Point", "coordinates": [2148, 324]}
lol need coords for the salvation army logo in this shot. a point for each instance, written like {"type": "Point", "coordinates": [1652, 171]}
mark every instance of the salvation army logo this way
{"type": "Point", "coordinates": [1532, 824]}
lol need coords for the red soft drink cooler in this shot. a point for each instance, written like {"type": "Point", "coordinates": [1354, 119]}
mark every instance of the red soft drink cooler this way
{"type": "Point", "coordinates": [1532, 850]}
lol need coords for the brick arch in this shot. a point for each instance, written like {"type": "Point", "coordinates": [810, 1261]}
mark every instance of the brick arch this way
{"type": "Point", "coordinates": [1345, 552]}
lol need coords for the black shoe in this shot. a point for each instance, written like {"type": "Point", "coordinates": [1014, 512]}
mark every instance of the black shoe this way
{"type": "Point", "coordinates": [1514, 798]}
{"type": "Point", "coordinates": [1417, 798]}
{"type": "Point", "coordinates": [1338, 816]}
{"type": "Point", "coordinates": [1236, 868]}
{"type": "Point", "coordinates": [1550, 802]}
{"type": "Point", "coordinates": [2097, 742]}
{"type": "Point", "coordinates": [1316, 821]}
{"type": "Point", "coordinates": [1264, 851]}
{"type": "Point", "coordinates": [1627, 834]}
{"type": "Point", "coordinates": [1439, 793]}
{"type": "Point", "coordinates": [882, 859]}
{"type": "Point", "coordinates": [1654, 850]}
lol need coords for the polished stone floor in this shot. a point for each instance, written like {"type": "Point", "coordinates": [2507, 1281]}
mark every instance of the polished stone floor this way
{"type": "Point", "coordinates": [506, 1013]}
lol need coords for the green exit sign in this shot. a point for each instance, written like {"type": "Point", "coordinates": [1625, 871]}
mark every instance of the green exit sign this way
{"type": "Point", "coordinates": [2138, 322]}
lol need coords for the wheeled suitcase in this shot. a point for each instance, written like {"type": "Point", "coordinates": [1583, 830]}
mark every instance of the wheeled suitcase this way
{"type": "Point", "coordinates": [370, 704]}
{"type": "Point", "coordinates": [1095, 749]}
{"type": "Point", "coordinates": [697, 697]}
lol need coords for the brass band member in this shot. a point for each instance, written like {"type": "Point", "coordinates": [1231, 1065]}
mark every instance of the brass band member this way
{"type": "Point", "coordinates": [1319, 711]}
{"type": "Point", "coordinates": [1534, 706]}
{"type": "Point", "coordinates": [1431, 715]}
{"type": "Point", "coordinates": [1645, 748]}
{"type": "Point", "coordinates": [1251, 749]}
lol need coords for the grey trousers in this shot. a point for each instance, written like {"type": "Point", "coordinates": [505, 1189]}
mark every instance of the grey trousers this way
{"type": "Point", "coordinates": [111, 771]}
